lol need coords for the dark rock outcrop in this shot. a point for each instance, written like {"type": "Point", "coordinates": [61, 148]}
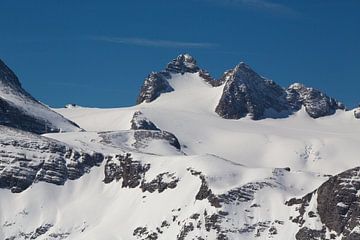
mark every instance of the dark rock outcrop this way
{"type": "Point", "coordinates": [145, 131]}
{"type": "Point", "coordinates": [132, 174]}
{"type": "Point", "coordinates": [20, 110]}
{"type": "Point", "coordinates": [184, 63]}
{"type": "Point", "coordinates": [247, 93]}
{"type": "Point", "coordinates": [123, 167]}
{"type": "Point", "coordinates": [162, 182]}
{"type": "Point", "coordinates": [357, 113]}
{"type": "Point", "coordinates": [154, 85]}
{"type": "Point", "coordinates": [340, 194]}
{"type": "Point", "coordinates": [140, 122]}
{"type": "Point", "coordinates": [12, 116]}
{"type": "Point", "coordinates": [316, 103]}
{"type": "Point", "coordinates": [26, 158]}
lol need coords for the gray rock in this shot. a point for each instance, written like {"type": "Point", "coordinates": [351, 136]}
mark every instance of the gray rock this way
{"type": "Point", "coordinates": [147, 131]}
{"type": "Point", "coordinates": [154, 85]}
{"type": "Point", "coordinates": [184, 63]}
{"type": "Point", "coordinates": [123, 167]}
{"type": "Point", "coordinates": [140, 122]}
{"type": "Point", "coordinates": [26, 158]}
{"type": "Point", "coordinates": [247, 93]}
{"type": "Point", "coordinates": [316, 103]}
{"type": "Point", "coordinates": [132, 174]}
{"type": "Point", "coordinates": [338, 207]}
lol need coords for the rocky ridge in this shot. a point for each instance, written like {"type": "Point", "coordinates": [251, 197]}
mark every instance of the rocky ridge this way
{"type": "Point", "coordinates": [26, 158]}
{"type": "Point", "coordinates": [20, 110]}
{"type": "Point", "coordinates": [336, 204]}
{"type": "Point", "coordinates": [245, 93]}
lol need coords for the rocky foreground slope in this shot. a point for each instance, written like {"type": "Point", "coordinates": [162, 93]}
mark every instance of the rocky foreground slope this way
{"type": "Point", "coordinates": [177, 166]}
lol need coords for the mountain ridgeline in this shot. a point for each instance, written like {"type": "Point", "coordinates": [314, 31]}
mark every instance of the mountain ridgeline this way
{"type": "Point", "coordinates": [245, 92]}
{"type": "Point", "coordinates": [171, 168]}
{"type": "Point", "coordinates": [18, 109]}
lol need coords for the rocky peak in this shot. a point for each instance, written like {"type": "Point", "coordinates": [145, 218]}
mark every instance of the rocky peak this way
{"type": "Point", "coordinates": [140, 122]}
{"type": "Point", "coordinates": [154, 85]}
{"type": "Point", "coordinates": [157, 82]}
{"type": "Point", "coordinates": [316, 103]}
{"type": "Point", "coordinates": [247, 93]}
{"type": "Point", "coordinates": [182, 64]}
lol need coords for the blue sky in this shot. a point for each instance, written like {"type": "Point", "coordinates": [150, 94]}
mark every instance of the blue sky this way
{"type": "Point", "coordinates": [97, 53]}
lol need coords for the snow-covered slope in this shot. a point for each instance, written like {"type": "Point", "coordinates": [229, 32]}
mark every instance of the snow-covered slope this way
{"type": "Point", "coordinates": [174, 169]}
{"type": "Point", "coordinates": [20, 110]}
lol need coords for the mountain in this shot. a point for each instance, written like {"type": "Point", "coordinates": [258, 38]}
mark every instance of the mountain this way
{"type": "Point", "coordinates": [20, 110]}
{"type": "Point", "coordinates": [316, 103]}
{"type": "Point", "coordinates": [172, 167]}
{"type": "Point", "coordinates": [245, 93]}
{"type": "Point", "coordinates": [157, 82]}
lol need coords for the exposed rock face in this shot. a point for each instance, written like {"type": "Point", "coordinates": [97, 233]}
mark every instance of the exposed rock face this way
{"type": "Point", "coordinates": [132, 174]}
{"type": "Point", "coordinates": [20, 110]}
{"type": "Point", "coordinates": [140, 122]}
{"type": "Point", "coordinates": [338, 207]}
{"type": "Point", "coordinates": [157, 82]}
{"type": "Point", "coordinates": [316, 103]}
{"type": "Point", "coordinates": [147, 131]}
{"type": "Point", "coordinates": [8, 77]}
{"type": "Point", "coordinates": [154, 85]}
{"type": "Point", "coordinates": [126, 169]}
{"type": "Point", "coordinates": [247, 93]}
{"type": "Point", "coordinates": [184, 63]}
{"type": "Point", "coordinates": [27, 158]}
{"type": "Point", "coordinates": [12, 116]}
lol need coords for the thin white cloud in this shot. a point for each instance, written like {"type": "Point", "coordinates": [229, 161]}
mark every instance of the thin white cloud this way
{"type": "Point", "coordinates": [265, 5]}
{"type": "Point", "coordinates": [144, 42]}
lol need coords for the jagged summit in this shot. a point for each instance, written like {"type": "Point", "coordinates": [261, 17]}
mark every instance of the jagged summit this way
{"type": "Point", "coordinates": [18, 109]}
{"type": "Point", "coordinates": [182, 64]}
{"type": "Point", "coordinates": [317, 104]}
{"type": "Point", "coordinates": [247, 93]}
{"type": "Point", "coordinates": [157, 82]}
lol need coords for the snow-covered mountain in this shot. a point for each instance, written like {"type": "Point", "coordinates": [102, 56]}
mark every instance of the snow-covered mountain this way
{"type": "Point", "coordinates": [20, 110]}
{"type": "Point", "coordinates": [197, 158]}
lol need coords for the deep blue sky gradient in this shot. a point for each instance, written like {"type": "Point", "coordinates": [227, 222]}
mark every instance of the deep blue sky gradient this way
{"type": "Point", "coordinates": [97, 53]}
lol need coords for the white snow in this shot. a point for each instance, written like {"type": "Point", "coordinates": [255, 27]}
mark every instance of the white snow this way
{"type": "Point", "coordinates": [230, 153]}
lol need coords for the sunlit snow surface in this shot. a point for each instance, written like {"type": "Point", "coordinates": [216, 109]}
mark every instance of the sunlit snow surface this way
{"type": "Point", "coordinates": [230, 153]}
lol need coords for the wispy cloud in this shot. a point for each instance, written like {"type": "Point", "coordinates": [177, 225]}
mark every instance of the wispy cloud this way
{"type": "Point", "coordinates": [144, 42]}
{"type": "Point", "coordinates": [265, 5]}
